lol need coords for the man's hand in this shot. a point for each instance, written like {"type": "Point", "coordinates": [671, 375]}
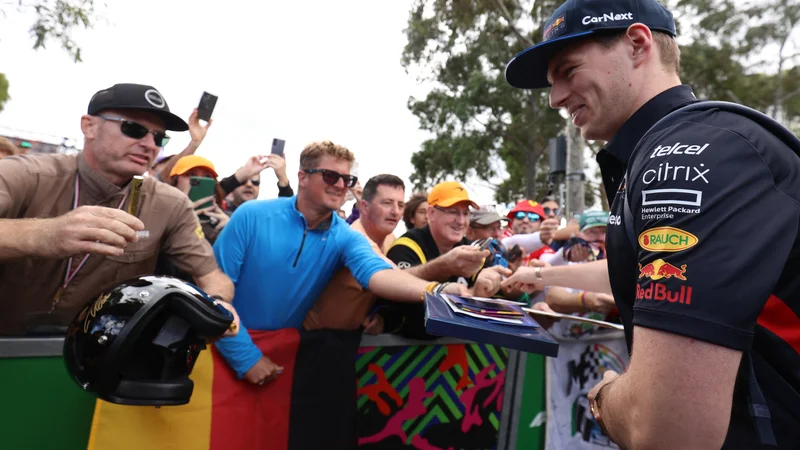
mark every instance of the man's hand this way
{"type": "Point", "coordinates": [88, 229]}
{"type": "Point", "coordinates": [608, 376]}
{"type": "Point", "coordinates": [216, 214]}
{"type": "Point", "coordinates": [488, 282]}
{"type": "Point", "coordinates": [524, 279]}
{"type": "Point", "coordinates": [357, 191]}
{"type": "Point", "coordinates": [465, 261]}
{"type": "Point", "coordinates": [456, 289]}
{"type": "Point", "coordinates": [578, 253]}
{"type": "Point", "coordinates": [278, 164]}
{"type": "Point", "coordinates": [373, 324]}
{"type": "Point", "coordinates": [253, 166]}
{"type": "Point", "coordinates": [197, 131]}
{"type": "Point", "coordinates": [544, 321]}
{"type": "Point", "coordinates": [599, 302]}
{"type": "Point", "coordinates": [233, 330]}
{"type": "Point", "coordinates": [263, 372]}
{"type": "Point", "coordinates": [546, 230]}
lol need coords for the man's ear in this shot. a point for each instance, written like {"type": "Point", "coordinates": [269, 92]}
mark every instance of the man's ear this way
{"type": "Point", "coordinates": [90, 126]}
{"type": "Point", "coordinates": [640, 39]}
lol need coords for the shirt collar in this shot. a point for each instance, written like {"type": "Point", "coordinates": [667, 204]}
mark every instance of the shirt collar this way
{"type": "Point", "coordinates": [622, 144]}
{"type": "Point", "coordinates": [93, 184]}
{"type": "Point", "coordinates": [325, 225]}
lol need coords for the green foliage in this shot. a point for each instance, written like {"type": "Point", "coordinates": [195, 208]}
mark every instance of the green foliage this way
{"type": "Point", "coordinates": [482, 126]}
{"type": "Point", "coordinates": [4, 97]}
{"type": "Point", "coordinates": [56, 20]}
{"type": "Point", "coordinates": [480, 123]}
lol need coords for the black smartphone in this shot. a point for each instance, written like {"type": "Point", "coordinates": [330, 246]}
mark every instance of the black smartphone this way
{"type": "Point", "coordinates": [277, 146]}
{"type": "Point", "coordinates": [206, 106]}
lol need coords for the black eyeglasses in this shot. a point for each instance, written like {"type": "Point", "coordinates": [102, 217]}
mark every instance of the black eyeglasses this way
{"type": "Point", "coordinates": [331, 177]}
{"type": "Point", "coordinates": [555, 211]}
{"type": "Point", "coordinates": [533, 217]}
{"type": "Point", "coordinates": [137, 131]}
{"type": "Point", "coordinates": [255, 181]}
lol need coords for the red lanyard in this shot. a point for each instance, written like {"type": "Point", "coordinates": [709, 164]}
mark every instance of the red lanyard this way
{"type": "Point", "coordinates": [70, 272]}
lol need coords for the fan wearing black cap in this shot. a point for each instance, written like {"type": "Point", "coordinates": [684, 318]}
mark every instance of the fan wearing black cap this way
{"type": "Point", "coordinates": [716, 358]}
{"type": "Point", "coordinates": [72, 225]}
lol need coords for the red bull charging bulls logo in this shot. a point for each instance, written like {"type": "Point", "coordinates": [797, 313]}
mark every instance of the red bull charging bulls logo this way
{"type": "Point", "coordinates": [657, 270]}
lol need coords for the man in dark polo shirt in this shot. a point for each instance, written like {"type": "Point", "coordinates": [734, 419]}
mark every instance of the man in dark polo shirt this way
{"type": "Point", "coordinates": [68, 227]}
{"type": "Point", "coordinates": [439, 252]}
{"type": "Point", "coordinates": [703, 248]}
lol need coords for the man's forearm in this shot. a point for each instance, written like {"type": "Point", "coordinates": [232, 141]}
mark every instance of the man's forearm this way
{"type": "Point", "coordinates": [435, 270]}
{"type": "Point", "coordinates": [397, 285]}
{"type": "Point", "coordinates": [591, 276]}
{"type": "Point", "coordinates": [617, 411]}
{"type": "Point", "coordinates": [563, 300]}
{"type": "Point", "coordinates": [216, 283]}
{"type": "Point", "coordinates": [19, 238]}
{"type": "Point", "coordinates": [566, 232]}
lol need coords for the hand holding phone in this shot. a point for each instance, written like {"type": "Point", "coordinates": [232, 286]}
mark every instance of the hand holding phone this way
{"type": "Point", "coordinates": [206, 106]}
{"type": "Point", "coordinates": [277, 147]}
{"type": "Point", "coordinates": [202, 187]}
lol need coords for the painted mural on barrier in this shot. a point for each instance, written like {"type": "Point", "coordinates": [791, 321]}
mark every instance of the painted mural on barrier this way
{"type": "Point", "coordinates": [430, 397]}
{"type": "Point", "coordinates": [578, 368]}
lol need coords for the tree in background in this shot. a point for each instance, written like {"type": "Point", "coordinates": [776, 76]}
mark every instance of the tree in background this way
{"type": "Point", "coordinates": [55, 21]}
{"type": "Point", "coordinates": [482, 128]}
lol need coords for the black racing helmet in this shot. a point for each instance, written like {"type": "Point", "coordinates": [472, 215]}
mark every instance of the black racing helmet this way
{"type": "Point", "coordinates": [137, 343]}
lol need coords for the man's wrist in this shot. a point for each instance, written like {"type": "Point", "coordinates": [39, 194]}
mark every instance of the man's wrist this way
{"type": "Point", "coordinates": [596, 409]}
{"type": "Point", "coordinates": [283, 180]}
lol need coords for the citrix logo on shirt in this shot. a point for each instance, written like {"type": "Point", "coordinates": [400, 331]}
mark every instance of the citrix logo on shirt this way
{"type": "Point", "coordinates": [669, 172]}
{"type": "Point", "coordinates": [607, 17]}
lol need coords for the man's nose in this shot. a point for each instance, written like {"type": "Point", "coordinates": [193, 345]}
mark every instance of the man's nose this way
{"type": "Point", "coordinates": [558, 95]}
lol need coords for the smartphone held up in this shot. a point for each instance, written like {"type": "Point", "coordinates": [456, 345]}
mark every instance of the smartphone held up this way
{"type": "Point", "coordinates": [206, 106]}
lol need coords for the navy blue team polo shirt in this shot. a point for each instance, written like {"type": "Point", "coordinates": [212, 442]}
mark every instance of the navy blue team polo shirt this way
{"type": "Point", "coordinates": [715, 202]}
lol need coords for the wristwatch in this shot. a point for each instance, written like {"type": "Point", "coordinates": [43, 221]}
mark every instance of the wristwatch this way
{"type": "Point", "coordinates": [594, 407]}
{"type": "Point", "coordinates": [538, 273]}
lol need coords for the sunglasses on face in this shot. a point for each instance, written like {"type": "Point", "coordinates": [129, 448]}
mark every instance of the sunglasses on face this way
{"type": "Point", "coordinates": [330, 177]}
{"type": "Point", "coordinates": [256, 182]}
{"type": "Point", "coordinates": [554, 211]}
{"type": "Point", "coordinates": [533, 217]}
{"type": "Point", "coordinates": [137, 131]}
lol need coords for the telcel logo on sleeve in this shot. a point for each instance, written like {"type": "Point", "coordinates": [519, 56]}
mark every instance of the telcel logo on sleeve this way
{"type": "Point", "coordinates": [667, 239]}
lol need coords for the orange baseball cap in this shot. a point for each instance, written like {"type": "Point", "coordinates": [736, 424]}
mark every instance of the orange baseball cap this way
{"type": "Point", "coordinates": [449, 193]}
{"type": "Point", "coordinates": [188, 163]}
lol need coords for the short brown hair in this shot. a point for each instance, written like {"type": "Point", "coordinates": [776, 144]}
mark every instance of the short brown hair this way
{"type": "Point", "coordinates": [8, 148]}
{"type": "Point", "coordinates": [666, 43]}
{"type": "Point", "coordinates": [411, 207]}
{"type": "Point", "coordinates": [371, 188]}
{"type": "Point", "coordinates": [310, 156]}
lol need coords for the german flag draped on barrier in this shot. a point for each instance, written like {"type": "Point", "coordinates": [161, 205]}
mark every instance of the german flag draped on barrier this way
{"type": "Point", "coordinates": [224, 412]}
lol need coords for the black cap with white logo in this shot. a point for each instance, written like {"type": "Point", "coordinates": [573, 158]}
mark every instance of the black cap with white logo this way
{"type": "Point", "coordinates": [139, 97]}
{"type": "Point", "coordinates": [576, 19]}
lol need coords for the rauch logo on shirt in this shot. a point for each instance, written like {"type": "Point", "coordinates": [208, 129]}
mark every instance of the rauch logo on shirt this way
{"type": "Point", "coordinates": [667, 239]}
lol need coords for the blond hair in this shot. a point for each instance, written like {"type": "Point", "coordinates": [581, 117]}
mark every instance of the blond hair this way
{"type": "Point", "coordinates": [7, 148]}
{"type": "Point", "coordinates": [310, 156]}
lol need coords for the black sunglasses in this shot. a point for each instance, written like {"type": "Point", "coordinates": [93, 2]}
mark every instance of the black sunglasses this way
{"type": "Point", "coordinates": [255, 182]}
{"type": "Point", "coordinates": [137, 131]}
{"type": "Point", "coordinates": [331, 177]}
{"type": "Point", "coordinates": [555, 211]}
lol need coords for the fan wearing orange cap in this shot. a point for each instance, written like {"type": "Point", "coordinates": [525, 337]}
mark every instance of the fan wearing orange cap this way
{"type": "Point", "coordinates": [213, 218]}
{"type": "Point", "coordinates": [440, 251]}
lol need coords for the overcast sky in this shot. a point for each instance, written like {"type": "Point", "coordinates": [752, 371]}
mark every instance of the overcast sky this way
{"type": "Point", "coordinates": [300, 71]}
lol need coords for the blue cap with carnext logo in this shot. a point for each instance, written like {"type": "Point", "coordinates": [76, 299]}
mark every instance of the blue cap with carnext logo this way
{"type": "Point", "coordinates": [576, 19]}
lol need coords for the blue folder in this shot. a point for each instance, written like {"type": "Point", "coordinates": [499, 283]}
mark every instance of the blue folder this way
{"type": "Point", "coordinates": [440, 320]}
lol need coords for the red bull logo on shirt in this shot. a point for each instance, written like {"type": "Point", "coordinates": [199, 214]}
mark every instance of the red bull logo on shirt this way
{"type": "Point", "coordinates": [657, 270]}
{"type": "Point", "coordinates": [667, 239]}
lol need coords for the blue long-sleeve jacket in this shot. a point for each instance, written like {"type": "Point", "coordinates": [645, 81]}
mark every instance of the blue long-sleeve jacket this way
{"type": "Point", "coordinates": [279, 268]}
